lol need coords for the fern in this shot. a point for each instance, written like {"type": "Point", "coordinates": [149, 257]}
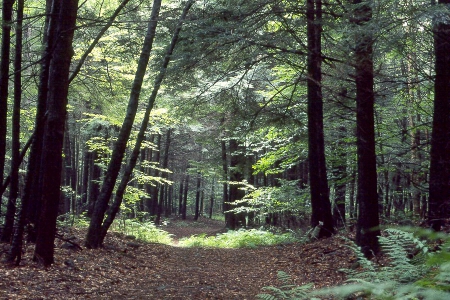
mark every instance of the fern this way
{"type": "Point", "coordinates": [287, 290]}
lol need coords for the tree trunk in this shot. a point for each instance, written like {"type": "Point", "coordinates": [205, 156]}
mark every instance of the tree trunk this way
{"type": "Point", "coordinates": [93, 237]}
{"type": "Point", "coordinates": [439, 197]}
{"type": "Point", "coordinates": [15, 137]}
{"type": "Point", "coordinates": [185, 194]}
{"type": "Point", "coordinates": [237, 161]}
{"type": "Point", "coordinates": [197, 196]}
{"type": "Point", "coordinates": [367, 229]}
{"type": "Point", "coordinates": [64, 15]}
{"type": "Point", "coordinates": [7, 10]}
{"type": "Point", "coordinates": [165, 164]}
{"type": "Point", "coordinates": [320, 201]}
{"type": "Point", "coordinates": [211, 199]}
{"type": "Point", "coordinates": [32, 192]}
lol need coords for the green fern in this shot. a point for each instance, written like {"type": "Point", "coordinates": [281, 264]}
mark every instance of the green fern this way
{"type": "Point", "coordinates": [287, 290]}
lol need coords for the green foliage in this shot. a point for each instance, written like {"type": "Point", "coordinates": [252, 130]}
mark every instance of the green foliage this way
{"type": "Point", "coordinates": [412, 272]}
{"type": "Point", "coordinates": [238, 239]}
{"type": "Point", "coordinates": [287, 290]}
{"type": "Point", "coordinates": [287, 197]}
{"type": "Point", "coordinates": [144, 231]}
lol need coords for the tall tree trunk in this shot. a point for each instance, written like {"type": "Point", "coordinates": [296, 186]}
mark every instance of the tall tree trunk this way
{"type": "Point", "coordinates": [180, 197]}
{"type": "Point", "coordinates": [225, 196]}
{"type": "Point", "coordinates": [7, 10]}
{"type": "Point", "coordinates": [367, 229]}
{"type": "Point", "coordinates": [211, 199]}
{"type": "Point", "coordinates": [237, 162]}
{"type": "Point", "coordinates": [439, 197]}
{"type": "Point", "coordinates": [320, 199]}
{"type": "Point", "coordinates": [15, 137]}
{"type": "Point", "coordinates": [54, 128]}
{"type": "Point", "coordinates": [197, 196]}
{"type": "Point", "coordinates": [165, 164]}
{"type": "Point", "coordinates": [32, 192]}
{"type": "Point", "coordinates": [155, 188]}
{"type": "Point", "coordinates": [93, 237]}
{"type": "Point", "coordinates": [185, 196]}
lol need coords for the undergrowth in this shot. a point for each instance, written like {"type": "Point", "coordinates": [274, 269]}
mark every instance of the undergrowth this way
{"type": "Point", "coordinates": [412, 273]}
{"type": "Point", "coordinates": [144, 231]}
{"type": "Point", "coordinates": [238, 239]}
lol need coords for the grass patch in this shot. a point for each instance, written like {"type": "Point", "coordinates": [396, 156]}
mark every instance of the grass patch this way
{"type": "Point", "coordinates": [238, 239]}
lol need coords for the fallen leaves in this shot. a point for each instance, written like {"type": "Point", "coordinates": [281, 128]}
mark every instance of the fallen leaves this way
{"type": "Point", "coordinates": [154, 271]}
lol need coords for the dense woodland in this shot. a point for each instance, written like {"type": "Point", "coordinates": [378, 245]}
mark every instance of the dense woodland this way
{"type": "Point", "coordinates": [327, 114]}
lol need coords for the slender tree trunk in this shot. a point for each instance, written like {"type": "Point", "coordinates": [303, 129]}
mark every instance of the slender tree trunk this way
{"type": "Point", "coordinates": [7, 10]}
{"type": "Point", "coordinates": [367, 230]}
{"type": "Point", "coordinates": [225, 196]}
{"type": "Point", "coordinates": [93, 238]}
{"type": "Point", "coordinates": [320, 199]}
{"type": "Point", "coordinates": [211, 199]}
{"type": "Point", "coordinates": [439, 197]}
{"type": "Point", "coordinates": [197, 197]}
{"type": "Point", "coordinates": [165, 164]}
{"type": "Point", "coordinates": [32, 192]}
{"type": "Point", "coordinates": [15, 137]}
{"type": "Point", "coordinates": [180, 197]}
{"type": "Point", "coordinates": [155, 188]}
{"type": "Point", "coordinates": [185, 196]}
{"type": "Point", "coordinates": [54, 129]}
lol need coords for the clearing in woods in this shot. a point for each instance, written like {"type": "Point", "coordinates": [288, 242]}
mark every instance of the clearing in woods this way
{"type": "Point", "coordinates": [124, 270]}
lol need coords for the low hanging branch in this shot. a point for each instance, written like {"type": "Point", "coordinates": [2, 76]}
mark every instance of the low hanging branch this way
{"type": "Point", "coordinates": [114, 209]}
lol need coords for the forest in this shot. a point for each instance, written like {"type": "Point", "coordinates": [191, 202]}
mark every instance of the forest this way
{"type": "Point", "coordinates": [314, 119]}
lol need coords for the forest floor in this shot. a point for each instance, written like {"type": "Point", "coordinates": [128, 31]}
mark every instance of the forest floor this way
{"type": "Point", "coordinates": [126, 269]}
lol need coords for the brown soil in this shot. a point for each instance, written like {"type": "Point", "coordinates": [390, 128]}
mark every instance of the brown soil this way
{"type": "Point", "coordinates": [135, 270]}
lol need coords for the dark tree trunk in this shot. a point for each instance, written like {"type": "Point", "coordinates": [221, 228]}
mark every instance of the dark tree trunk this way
{"type": "Point", "coordinates": [225, 196]}
{"type": "Point", "coordinates": [320, 199]}
{"type": "Point", "coordinates": [54, 128]}
{"type": "Point", "coordinates": [340, 178]}
{"type": "Point", "coordinates": [154, 190]}
{"type": "Point", "coordinates": [7, 10]}
{"type": "Point", "coordinates": [197, 197]}
{"type": "Point", "coordinates": [237, 162]}
{"type": "Point", "coordinates": [32, 190]}
{"type": "Point", "coordinates": [180, 197]}
{"type": "Point", "coordinates": [15, 137]}
{"type": "Point", "coordinates": [85, 177]}
{"type": "Point", "coordinates": [95, 173]}
{"type": "Point", "coordinates": [211, 199]}
{"type": "Point", "coordinates": [439, 198]}
{"type": "Point", "coordinates": [165, 164]}
{"type": "Point", "coordinates": [185, 196]}
{"type": "Point", "coordinates": [367, 229]}
{"type": "Point", "coordinates": [93, 238]}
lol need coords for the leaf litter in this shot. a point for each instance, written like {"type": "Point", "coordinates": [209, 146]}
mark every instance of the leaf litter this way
{"type": "Point", "coordinates": [138, 270]}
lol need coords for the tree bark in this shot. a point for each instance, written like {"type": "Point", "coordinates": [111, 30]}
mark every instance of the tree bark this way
{"type": "Point", "coordinates": [64, 14]}
{"type": "Point", "coordinates": [320, 199]}
{"type": "Point", "coordinates": [197, 197]}
{"type": "Point", "coordinates": [439, 197]}
{"type": "Point", "coordinates": [7, 9]}
{"type": "Point", "coordinates": [367, 228]}
{"type": "Point", "coordinates": [15, 136]}
{"type": "Point", "coordinates": [93, 238]}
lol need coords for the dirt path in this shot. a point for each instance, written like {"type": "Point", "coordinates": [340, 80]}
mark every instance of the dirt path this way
{"type": "Point", "coordinates": [155, 271]}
